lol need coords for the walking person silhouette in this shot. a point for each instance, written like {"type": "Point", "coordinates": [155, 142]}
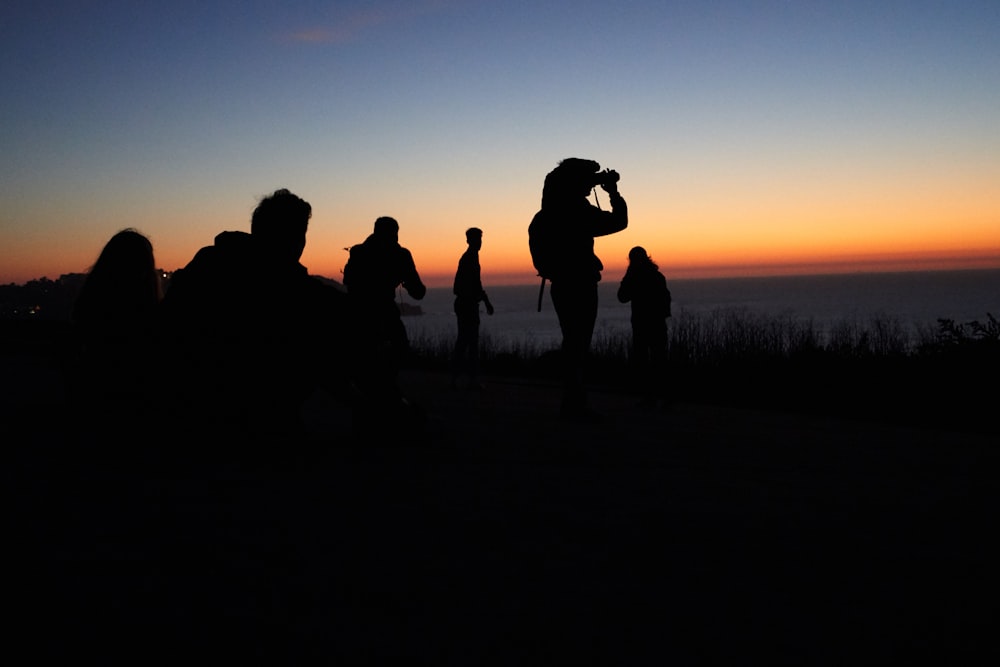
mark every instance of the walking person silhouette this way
{"type": "Point", "coordinates": [469, 293]}
{"type": "Point", "coordinates": [561, 240]}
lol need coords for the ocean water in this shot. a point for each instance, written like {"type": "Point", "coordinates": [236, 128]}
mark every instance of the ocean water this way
{"type": "Point", "coordinates": [914, 299]}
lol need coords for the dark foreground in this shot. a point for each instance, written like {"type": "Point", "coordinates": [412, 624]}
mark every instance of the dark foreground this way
{"type": "Point", "coordinates": [696, 535]}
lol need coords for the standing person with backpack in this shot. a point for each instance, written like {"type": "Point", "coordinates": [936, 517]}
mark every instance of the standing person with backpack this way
{"type": "Point", "coordinates": [645, 287]}
{"type": "Point", "coordinates": [561, 240]}
{"type": "Point", "coordinates": [374, 269]}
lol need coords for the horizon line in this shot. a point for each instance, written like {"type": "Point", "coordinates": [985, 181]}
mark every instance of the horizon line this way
{"type": "Point", "coordinates": [718, 272]}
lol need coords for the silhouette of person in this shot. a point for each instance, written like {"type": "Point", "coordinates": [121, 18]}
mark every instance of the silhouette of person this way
{"type": "Point", "coordinates": [469, 293]}
{"type": "Point", "coordinates": [561, 237]}
{"type": "Point", "coordinates": [252, 334]}
{"type": "Point", "coordinates": [373, 271]}
{"type": "Point", "coordinates": [115, 316]}
{"type": "Point", "coordinates": [645, 287]}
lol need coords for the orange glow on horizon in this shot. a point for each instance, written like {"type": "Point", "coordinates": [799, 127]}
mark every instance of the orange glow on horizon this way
{"type": "Point", "coordinates": [693, 268]}
{"type": "Point", "coordinates": [437, 270]}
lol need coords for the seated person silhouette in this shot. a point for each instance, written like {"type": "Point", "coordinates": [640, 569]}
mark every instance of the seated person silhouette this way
{"type": "Point", "coordinates": [252, 335]}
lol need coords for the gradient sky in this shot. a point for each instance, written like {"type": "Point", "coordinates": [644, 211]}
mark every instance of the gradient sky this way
{"type": "Point", "coordinates": [753, 137]}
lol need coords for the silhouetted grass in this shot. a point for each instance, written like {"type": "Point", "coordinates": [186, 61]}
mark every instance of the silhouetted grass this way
{"type": "Point", "coordinates": [877, 367]}
{"type": "Point", "coordinates": [946, 374]}
{"type": "Point", "coordinates": [740, 336]}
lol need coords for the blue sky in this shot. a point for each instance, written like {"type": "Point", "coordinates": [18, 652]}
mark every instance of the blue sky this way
{"type": "Point", "coordinates": [755, 132]}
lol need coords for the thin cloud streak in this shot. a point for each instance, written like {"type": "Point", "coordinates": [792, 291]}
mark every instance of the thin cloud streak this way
{"type": "Point", "coordinates": [349, 28]}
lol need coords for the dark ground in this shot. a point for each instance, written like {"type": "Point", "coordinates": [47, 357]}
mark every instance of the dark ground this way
{"type": "Point", "coordinates": [698, 535]}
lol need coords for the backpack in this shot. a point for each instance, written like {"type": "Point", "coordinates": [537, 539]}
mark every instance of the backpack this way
{"type": "Point", "coordinates": [543, 245]}
{"type": "Point", "coordinates": [361, 273]}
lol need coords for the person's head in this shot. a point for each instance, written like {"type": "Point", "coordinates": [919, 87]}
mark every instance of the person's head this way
{"type": "Point", "coordinates": [571, 180]}
{"type": "Point", "coordinates": [474, 237]}
{"type": "Point", "coordinates": [638, 256]}
{"type": "Point", "coordinates": [123, 280]}
{"type": "Point", "coordinates": [280, 221]}
{"type": "Point", "coordinates": [386, 228]}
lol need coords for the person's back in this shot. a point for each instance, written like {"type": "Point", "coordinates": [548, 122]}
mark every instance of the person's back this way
{"type": "Point", "coordinates": [122, 289]}
{"type": "Point", "coordinates": [373, 271]}
{"type": "Point", "coordinates": [645, 288]}
{"type": "Point", "coordinates": [377, 266]}
{"type": "Point", "coordinates": [115, 319]}
{"type": "Point", "coordinates": [253, 334]}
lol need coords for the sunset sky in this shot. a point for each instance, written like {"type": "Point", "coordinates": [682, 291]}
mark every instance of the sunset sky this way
{"type": "Point", "coordinates": [752, 137]}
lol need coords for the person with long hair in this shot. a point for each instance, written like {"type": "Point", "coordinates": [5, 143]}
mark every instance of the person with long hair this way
{"type": "Point", "coordinates": [115, 315]}
{"type": "Point", "coordinates": [123, 286]}
{"type": "Point", "coordinates": [376, 268]}
{"type": "Point", "coordinates": [645, 287]}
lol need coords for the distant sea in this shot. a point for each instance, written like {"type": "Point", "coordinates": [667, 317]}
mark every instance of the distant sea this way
{"type": "Point", "coordinates": [914, 299]}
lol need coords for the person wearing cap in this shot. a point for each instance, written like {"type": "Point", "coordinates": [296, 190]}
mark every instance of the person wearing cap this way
{"type": "Point", "coordinates": [561, 239]}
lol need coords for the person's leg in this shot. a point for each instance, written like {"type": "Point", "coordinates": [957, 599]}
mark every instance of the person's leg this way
{"type": "Point", "coordinates": [640, 365]}
{"type": "Point", "coordinates": [576, 307]}
{"type": "Point", "coordinates": [458, 355]}
{"type": "Point", "coordinates": [466, 343]}
{"type": "Point", "coordinates": [473, 352]}
{"type": "Point", "coordinates": [658, 365]}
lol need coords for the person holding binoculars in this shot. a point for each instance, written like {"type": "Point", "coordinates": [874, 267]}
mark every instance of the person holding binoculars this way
{"type": "Point", "coordinates": [561, 239]}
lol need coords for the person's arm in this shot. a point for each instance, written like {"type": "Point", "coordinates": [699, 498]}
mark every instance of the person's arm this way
{"type": "Point", "coordinates": [666, 294]}
{"type": "Point", "coordinates": [613, 221]}
{"type": "Point", "coordinates": [411, 279]}
{"type": "Point", "coordinates": [625, 288]}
